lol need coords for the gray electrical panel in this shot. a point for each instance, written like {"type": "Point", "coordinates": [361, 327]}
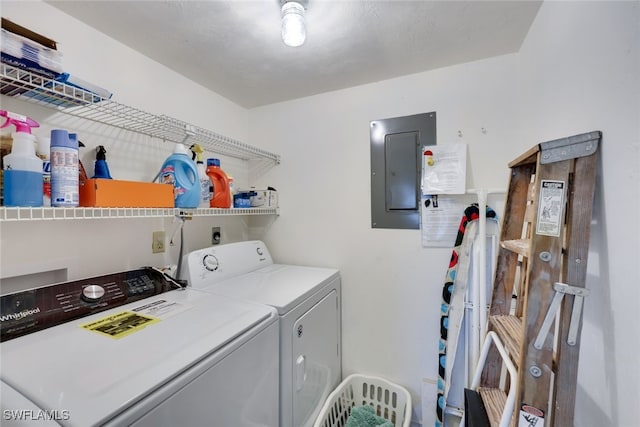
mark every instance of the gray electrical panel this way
{"type": "Point", "coordinates": [396, 166]}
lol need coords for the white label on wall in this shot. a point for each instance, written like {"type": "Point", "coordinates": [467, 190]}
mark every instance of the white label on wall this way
{"type": "Point", "coordinates": [444, 169]}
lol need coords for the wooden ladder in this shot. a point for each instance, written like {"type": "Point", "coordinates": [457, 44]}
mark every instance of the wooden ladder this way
{"type": "Point", "coordinates": [542, 258]}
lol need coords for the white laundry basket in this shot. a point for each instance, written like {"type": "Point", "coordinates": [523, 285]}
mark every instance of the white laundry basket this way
{"type": "Point", "coordinates": [389, 400]}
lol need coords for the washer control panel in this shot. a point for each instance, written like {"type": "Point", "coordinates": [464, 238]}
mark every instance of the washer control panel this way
{"type": "Point", "coordinates": [92, 293]}
{"type": "Point", "coordinates": [32, 310]}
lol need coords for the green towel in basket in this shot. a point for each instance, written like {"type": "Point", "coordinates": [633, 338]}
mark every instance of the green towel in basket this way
{"type": "Point", "coordinates": [365, 416]}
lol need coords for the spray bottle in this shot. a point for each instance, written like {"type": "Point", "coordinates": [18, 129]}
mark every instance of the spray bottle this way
{"type": "Point", "coordinates": [101, 169]}
{"type": "Point", "coordinates": [22, 168]}
{"type": "Point", "coordinates": [205, 182]}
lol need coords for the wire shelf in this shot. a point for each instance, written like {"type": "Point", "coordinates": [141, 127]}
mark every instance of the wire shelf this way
{"type": "Point", "coordinates": [77, 102]}
{"type": "Point", "coordinates": [62, 213]}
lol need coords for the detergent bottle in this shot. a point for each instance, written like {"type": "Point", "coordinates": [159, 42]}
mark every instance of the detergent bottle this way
{"type": "Point", "coordinates": [221, 195]}
{"type": "Point", "coordinates": [22, 168]}
{"type": "Point", "coordinates": [65, 169]}
{"type": "Point", "coordinates": [180, 171]}
{"type": "Point", "coordinates": [101, 168]}
{"type": "Point", "coordinates": [203, 178]}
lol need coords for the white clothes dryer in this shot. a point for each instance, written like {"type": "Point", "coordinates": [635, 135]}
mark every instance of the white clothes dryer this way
{"type": "Point", "coordinates": [132, 349]}
{"type": "Point", "coordinates": [308, 301]}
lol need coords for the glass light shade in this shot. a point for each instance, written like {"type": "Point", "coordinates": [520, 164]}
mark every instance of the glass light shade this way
{"type": "Point", "coordinates": [293, 28]}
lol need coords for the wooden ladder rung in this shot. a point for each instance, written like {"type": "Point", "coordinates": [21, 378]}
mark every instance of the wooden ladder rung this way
{"type": "Point", "coordinates": [509, 329]}
{"type": "Point", "coordinates": [519, 246]}
{"type": "Point", "coordinates": [494, 401]}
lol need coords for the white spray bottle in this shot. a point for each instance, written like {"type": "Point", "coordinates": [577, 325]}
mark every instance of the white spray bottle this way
{"type": "Point", "coordinates": [203, 178]}
{"type": "Point", "coordinates": [22, 168]}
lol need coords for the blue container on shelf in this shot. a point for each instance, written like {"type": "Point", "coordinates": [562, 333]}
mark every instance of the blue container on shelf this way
{"type": "Point", "coordinates": [180, 171]}
{"type": "Point", "coordinates": [65, 169]}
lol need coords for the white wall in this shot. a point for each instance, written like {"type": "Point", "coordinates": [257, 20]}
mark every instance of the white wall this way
{"type": "Point", "coordinates": [88, 247]}
{"type": "Point", "coordinates": [579, 70]}
{"type": "Point", "coordinates": [391, 285]}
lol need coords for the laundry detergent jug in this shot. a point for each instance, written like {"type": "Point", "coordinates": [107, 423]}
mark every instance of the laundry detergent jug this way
{"type": "Point", "coordinates": [180, 171]}
{"type": "Point", "coordinates": [221, 197]}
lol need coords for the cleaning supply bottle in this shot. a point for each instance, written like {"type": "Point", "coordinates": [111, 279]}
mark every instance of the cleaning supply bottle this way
{"type": "Point", "coordinates": [203, 178]}
{"type": "Point", "coordinates": [181, 172]}
{"type": "Point", "coordinates": [232, 190]}
{"type": "Point", "coordinates": [43, 151]}
{"type": "Point", "coordinates": [22, 168]}
{"type": "Point", "coordinates": [81, 170]}
{"type": "Point", "coordinates": [101, 169]}
{"type": "Point", "coordinates": [65, 191]}
{"type": "Point", "coordinates": [221, 195]}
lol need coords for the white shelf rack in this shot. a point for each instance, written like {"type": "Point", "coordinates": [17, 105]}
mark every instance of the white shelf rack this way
{"type": "Point", "coordinates": [60, 213]}
{"type": "Point", "coordinates": [33, 88]}
{"type": "Point", "coordinates": [71, 100]}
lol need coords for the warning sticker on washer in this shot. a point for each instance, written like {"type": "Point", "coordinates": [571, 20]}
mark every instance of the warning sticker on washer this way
{"type": "Point", "coordinates": [120, 324]}
{"type": "Point", "coordinates": [530, 417]}
{"type": "Point", "coordinates": [161, 308]}
{"type": "Point", "coordinates": [550, 208]}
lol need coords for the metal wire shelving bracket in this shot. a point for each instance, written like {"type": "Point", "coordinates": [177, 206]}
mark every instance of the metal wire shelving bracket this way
{"type": "Point", "coordinates": [33, 88]}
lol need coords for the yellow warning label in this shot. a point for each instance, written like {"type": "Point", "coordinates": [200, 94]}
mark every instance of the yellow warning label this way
{"type": "Point", "coordinates": [121, 324]}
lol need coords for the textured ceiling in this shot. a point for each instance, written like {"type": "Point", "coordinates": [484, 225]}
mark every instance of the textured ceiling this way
{"type": "Point", "coordinates": [234, 47]}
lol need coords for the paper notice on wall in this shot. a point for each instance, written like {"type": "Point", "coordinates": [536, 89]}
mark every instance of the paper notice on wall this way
{"type": "Point", "coordinates": [444, 169]}
{"type": "Point", "coordinates": [440, 219]}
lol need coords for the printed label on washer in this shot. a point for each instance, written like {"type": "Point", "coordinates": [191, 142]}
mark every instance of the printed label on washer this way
{"type": "Point", "coordinates": [161, 308]}
{"type": "Point", "coordinates": [530, 417]}
{"type": "Point", "coordinates": [550, 208]}
{"type": "Point", "coordinates": [120, 324]}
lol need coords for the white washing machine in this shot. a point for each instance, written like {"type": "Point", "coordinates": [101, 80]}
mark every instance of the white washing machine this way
{"type": "Point", "coordinates": [308, 302]}
{"type": "Point", "coordinates": [132, 349]}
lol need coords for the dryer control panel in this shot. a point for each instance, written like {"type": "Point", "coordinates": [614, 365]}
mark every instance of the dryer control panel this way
{"type": "Point", "coordinates": [217, 263]}
{"type": "Point", "coordinates": [32, 310]}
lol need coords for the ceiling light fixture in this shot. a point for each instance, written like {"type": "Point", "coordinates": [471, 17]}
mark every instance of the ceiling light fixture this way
{"type": "Point", "coordinates": [293, 25]}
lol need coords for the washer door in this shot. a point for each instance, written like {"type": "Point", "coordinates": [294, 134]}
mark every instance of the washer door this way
{"type": "Point", "coordinates": [316, 358]}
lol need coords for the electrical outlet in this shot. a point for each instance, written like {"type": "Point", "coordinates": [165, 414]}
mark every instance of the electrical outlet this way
{"type": "Point", "coordinates": [157, 243]}
{"type": "Point", "coordinates": [216, 235]}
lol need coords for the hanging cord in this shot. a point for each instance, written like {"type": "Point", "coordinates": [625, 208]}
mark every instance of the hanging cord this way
{"type": "Point", "coordinates": [180, 252]}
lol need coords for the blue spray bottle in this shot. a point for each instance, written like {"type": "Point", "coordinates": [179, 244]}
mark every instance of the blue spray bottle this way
{"type": "Point", "coordinates": [101, 169]}
{"type": "Point", "coordinates": [22, 169]}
